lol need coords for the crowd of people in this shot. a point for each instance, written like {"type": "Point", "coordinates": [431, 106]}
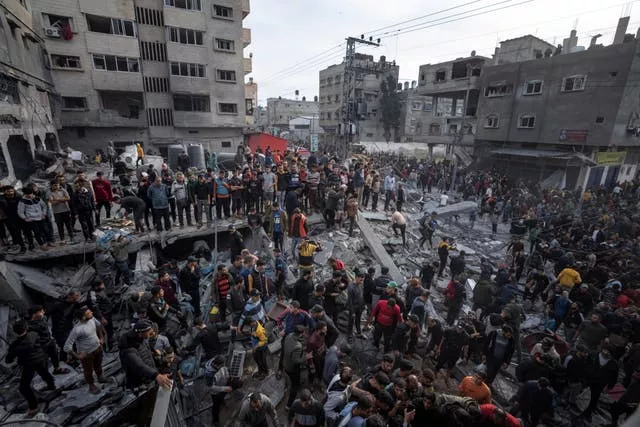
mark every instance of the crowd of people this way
{"type": "Point", "coordinates": [580, 266]}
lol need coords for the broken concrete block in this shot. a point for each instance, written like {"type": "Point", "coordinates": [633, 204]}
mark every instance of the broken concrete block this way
{"type": "Point", "coordinates": [378, 250]}
{"type": "Point", "coordinates": [374, 216]}
{"type": "Point", "coordinates": [11, 288]}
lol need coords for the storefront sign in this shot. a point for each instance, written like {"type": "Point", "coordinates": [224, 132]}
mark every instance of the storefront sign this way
{"type": "Point", "coordinates": [607, 158]}
{"type": "Point", "coordinates": [573, 135]}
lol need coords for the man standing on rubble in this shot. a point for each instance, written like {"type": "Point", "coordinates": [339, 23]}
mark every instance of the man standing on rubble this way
{"type": "Point", "coordinates": [389, 187]}
{"type": "Point", "coordinates": [298, 231]}
{"type": "Point", "coordinates": [428, 225]}
{"type": "Point", "coordinates": [87, 336]}
{"type": "Point", "coordinates": [120, 251]}
{"type": "Point", "coordinates": [31, 357]}
{"type": "Point", "coordinates": [189, 281]}
{"type": "Point", "coordinates": [38, 324]}
{"type": "Point", "coordinates": [158, 194]}
{"type": "Point", "coordinates": [102, 307]}
{"type": "Point", "coordinates": [103, 194]}
{"type": "Point", "coordinates": [399, 222]}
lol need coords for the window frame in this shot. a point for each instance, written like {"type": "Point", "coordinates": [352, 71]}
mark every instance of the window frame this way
{"type": "Point", "coordinates": [117, 26]}
{"type": "Point", "coordinates": [232, 45]}
{"type": "Point", "coordinates": [203, 101]}
{"type": "Point", "coordinates": [83, 108]}
{"type": "Point", "coordinates": [527, 116]}
{"type": "Point", "coordinates": [525, 89]}
{"type": "Point", "coordinates": [220, 74]}
{"type": "Point", "coordinates": [185, 69]}
{"type": "Point", "coordinates": [220, 104]}
{"type": "Point", "coordinates": [487, 121]}
{"type": "Point", "coordinates": [230, 17]}
{"type": "Point", "coordinates": [498, 85]}
{"type": "Point", "coordinates": [188, 5]}
{"type": "Point", "coordinates": [66, 57]}
{"type": "Point", "coordinates": [46, 21]}
{"type": "Point", "coordinates": [117, 61]}
{"type": "Point", "coordinates": [171, 31]}
{"type": "Point", "coordinates": [573, 89]}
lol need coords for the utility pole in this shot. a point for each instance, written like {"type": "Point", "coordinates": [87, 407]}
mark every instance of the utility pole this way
{"type": "Point", "coordinates": [349, 108]}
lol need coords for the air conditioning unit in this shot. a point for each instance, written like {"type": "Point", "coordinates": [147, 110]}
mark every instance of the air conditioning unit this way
{"type": "Point", "coordinates": [52, 32]}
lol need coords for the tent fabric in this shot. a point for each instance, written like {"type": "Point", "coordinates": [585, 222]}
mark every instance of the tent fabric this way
{"type": "Point", "coordinates": [264, 140]}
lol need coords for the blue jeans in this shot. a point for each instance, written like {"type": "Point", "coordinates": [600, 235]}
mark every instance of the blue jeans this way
{"type": "Point", "coordinates": [295, 241]}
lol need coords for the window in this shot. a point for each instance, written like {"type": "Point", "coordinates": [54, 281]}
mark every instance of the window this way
{"type": "Point", "coordinates": [116, 63]}
{"type": "Point", "coordinates": [600, 119]}
{"type": "Point", "coordinates": [191, 103]}
{"type": "Point", "coordinates": [222, 11]}
{"type": "Point", "coordinates": [226, 45]}
{"type": "Point", "coordinates": [613, 74]}
{"type": "Point", "coordinates": [105, 25]}
{"type": "Point", "coordinates": [74, 103]}
{"type": "Point", "coordinates": [9, 90]}
{"type": "Point", "coordinates": [441, 76]}
{"type": "Point", "coordinates": [225, 108]}
{"type": "Point", "coordinates": [185, 4]}
{"type": "Point", "coordinates": [63, 61]}
{"type": "Point", "coordinates": [188, 70]}
{"type": "Point", "coordinates": [248, 106]}
{"type": "Point", "coordinates": [186, 36]}
{"type": "Point", "coordinates": [573, 83]}
{"type": "Point", "coordinates": [226, 75]}
{"type": "Point", "coordinates": [328, 115]}
{"type": "Point", "coordinates": [57, 21]}
{"type": "Point", "coordinates": [149, 17]}
{"type": "Point", "coordinates": [226, 144]}
{"type": "Point", "coordinates": [527, 121]}
{"type": "Point", "coordinates": [533, 87]}
{"type": "Point", "coordinates": [422, 77]}
{"type": "Point", "coordinates": [416, 105]}
{"type": "Point", "coordinates": [498, 89]}
{"type": "Point", "coordinates": [491, 122]}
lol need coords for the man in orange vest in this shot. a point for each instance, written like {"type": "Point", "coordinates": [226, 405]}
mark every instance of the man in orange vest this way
{"type": "Point", "coordinates": [298, 230]}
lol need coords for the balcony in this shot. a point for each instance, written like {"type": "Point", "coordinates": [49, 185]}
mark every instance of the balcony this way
{"type": "Point", "coordinates": [246, 37]}
{"type": "Point", "coordinates": [248, 65]}
{"type": "Point", "coordinates": [193, 119]}
{"type": "Point", "coordinates": [102, 118]}
{"type": "Point", "coordinates": [11, 113]}
{"type": "Point", "coordinates": [117, 81]}
{"type": "Point", "coordinates": [246, 8]}
{"type": "Point", "coordinates": [112, 44]}
{"type": "Point", "coordinates": [448, 86]}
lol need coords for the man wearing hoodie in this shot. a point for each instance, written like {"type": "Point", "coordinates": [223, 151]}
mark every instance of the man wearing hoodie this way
{"type": "Point", "coordinates": [157, 193]}
{"type": "Point", "coordinates": [33, 211]}
{"type": "Point", "coordinates": [180, 192]}
{"type": "Point", "coordinates": [14, 222]}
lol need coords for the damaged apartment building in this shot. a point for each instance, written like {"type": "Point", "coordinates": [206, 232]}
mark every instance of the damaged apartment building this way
{"type": "Point", "coordinates": [26, 89]}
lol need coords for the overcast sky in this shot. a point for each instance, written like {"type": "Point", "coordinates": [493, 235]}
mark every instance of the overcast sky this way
{"type": "Point", "coordinates": [293, 39]}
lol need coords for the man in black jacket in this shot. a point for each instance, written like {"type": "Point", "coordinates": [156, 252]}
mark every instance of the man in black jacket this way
{"type": "Point", "coordinates": [136, 357]}
{"type": "Point", "coordinates": [207, 336]}
{"type": "Point", "coordinates": [189, 280]}
{"type": "Point", "coordinates": [102, 307]}
{"type": "Point", "coordinates": [457, 265]}
{"type": "Point", "coordinates": [62, 313]}
{"type": "Point", "coordinates": [499, 348]}
{"type": "Point", "coordinates": [38, 324]}
{"type": "Point", "coordinates": [604, 374]}
{"type": "Point", "coordinates": [33, 360]}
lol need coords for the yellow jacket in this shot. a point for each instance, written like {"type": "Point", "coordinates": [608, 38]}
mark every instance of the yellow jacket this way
{"type": "Point", "coordinates": [140, 150]}
{"type": "Point", "coordinates": [259, 336]}
{"type": "Point", "coordinates": [569, 278]}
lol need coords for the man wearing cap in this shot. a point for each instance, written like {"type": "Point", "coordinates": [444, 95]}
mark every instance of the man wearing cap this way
{"type": "Point", "coordinates": [387, 315]}
{"type": "Point", "coordinates": [88, 337]}
{"type": "Point", "coordinates": [355, 303]}
{"type": "Point", "coordinates": [136, 357]}
{"type": "Point", "coordinates": [189, 281]}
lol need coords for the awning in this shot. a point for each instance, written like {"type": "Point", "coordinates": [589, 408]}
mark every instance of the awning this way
{"type": "Point", "coordinates": [544, 154]}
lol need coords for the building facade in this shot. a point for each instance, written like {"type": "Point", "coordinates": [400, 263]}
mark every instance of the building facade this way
{"type": "Point", "coordinates": [280, 111]}
{"type": "Point", "coordinates": [366, 96]}
{"type": "Point", "coordinates": [26, 120]}
{"type": "Point", "coordinates": [251, 102]}
{"type": "Point", "coordinates": [576, 110]}
{"type": "Point", "coordinates": [158, 72]}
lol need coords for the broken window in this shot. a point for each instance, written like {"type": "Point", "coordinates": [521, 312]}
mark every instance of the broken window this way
{"type": "Point", "coordinates": [533, 87]}
{"type": "Point", "coordinates": [476, 71]}
{"type": "Point", "coordinates": [222, 11]}
{"type": "Point", "coordinates": [227, 108]}
{"type": "Point", "coordinates": [117, 26]}
{"type": "Point", "coordinates": [191, 103]}
{"type": "Point", "coordinates": [441, 76]}
{"type": "Point", "coordinates": [64, 61]}
{"type": "Point", "coordinates": [74, 103]}
{"type": "Point", "coordinates": [491, 122]}
{"type": "Point", "coordinates": [9, 90]}
{"type": "Point", "coordinates": [527, 121]}
{"type": "Point", "coordinates": [56, 21]}
{"type": "Point", "coordinates": [459, 70]}
{"type": "Point", "coordinates": [573, 83]}
{"type": "Point", "coordinates": [498, 89]}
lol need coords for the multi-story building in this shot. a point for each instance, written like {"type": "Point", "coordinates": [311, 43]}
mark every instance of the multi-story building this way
{"type": "Point", "coordinates": [150, 71]}
{"type": "Point", "coordinates": [575, 111]}
{"type": "Point", "coordinates": [26, 120]}
{"type": "Point", "coordinates": [454, 89]}
{"type": "Point", "coordinates": [417, 111]}
{"type": "Point", "coordinates": [281, 110]}
{"type": "Point", "coordinates": [365, 95]}
{"type": "Point", "coordinates": [251, 102]}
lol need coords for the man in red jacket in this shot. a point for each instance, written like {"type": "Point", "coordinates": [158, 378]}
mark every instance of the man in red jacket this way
{"type": "Point", "coordinates": [387, 316]}
{"type": "Point", "coordinates": [103, 195]}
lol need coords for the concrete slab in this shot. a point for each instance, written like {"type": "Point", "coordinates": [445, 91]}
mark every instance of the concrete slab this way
{"type": "Point", "coordinates": [12, 290]}
{"type": "Point", "coordinates": [379, 252]}
{"type": "Point", "coordinates": [374, 216]}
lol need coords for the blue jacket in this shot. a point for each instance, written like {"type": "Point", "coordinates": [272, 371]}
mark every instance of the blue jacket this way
{"type": "Point", "coordinates": [158, 196]}
{"type": "Point", "coordinates": [289, 321]}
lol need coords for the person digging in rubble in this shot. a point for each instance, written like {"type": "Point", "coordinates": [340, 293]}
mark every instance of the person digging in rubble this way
{"type": "Point", "coordinates": [88, 337]}
{"type": "Point", "coordinates": [306, 252]}
{"type": "Point", "coordinates": [399, 222]}
{"type": "Point", "coordinates": [32, 358]}
{"type": "Point", "coordinates": [254, 411]}
{"type": "Point", "coordinates": [208, 338]}
{"type": "Point", "coordinates": [221, 384]}
{"type": "Point", "coordinates": [258, 346]}
{"type": "Point", "coordinates": [38, 323]}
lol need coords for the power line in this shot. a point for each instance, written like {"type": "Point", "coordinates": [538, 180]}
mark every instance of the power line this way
{"type": "Point", "coordinates": [311, 59]}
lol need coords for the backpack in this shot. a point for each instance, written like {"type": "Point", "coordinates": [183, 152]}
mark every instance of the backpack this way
{"type": "Point", "coordinates": [345, 415]}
